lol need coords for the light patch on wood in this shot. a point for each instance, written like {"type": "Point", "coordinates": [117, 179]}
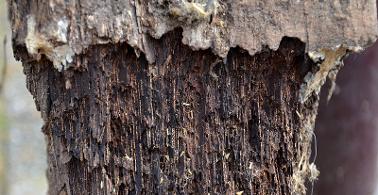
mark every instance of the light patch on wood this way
{"type": "Point", "coordinates": [314, 172]}
{"type": "Point", "coordinates": [303, 169]}
{"type": "Point", "coordinates": [306, 170]}
{"type": "Point", "coordinates": [191, 11]}
{"type": "Point", "coordinates": [313, 81]}
{"type": "Point", "coordinates": [37, 44]}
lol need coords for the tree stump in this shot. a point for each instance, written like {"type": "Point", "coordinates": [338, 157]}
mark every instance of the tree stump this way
{"type": "Point", "coordinates": [183, 97]}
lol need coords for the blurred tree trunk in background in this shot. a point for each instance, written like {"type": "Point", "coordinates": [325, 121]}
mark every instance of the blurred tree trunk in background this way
{"type": "Point", "coordinates": [347, 130]}
{"type": "Point", "coordinates": [4, 134]}
{"type": "Point", "coordinates": [4, 141]}
{"type": "Point", "coordinates": [190, 122]}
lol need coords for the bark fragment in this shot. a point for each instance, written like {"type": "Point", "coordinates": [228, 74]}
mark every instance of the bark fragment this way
{"type": "Point", "coordinates": [329, 62]}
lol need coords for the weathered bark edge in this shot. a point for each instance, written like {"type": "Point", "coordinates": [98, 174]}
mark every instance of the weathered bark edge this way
{"type": "Point", "coordinates": [215, 24]}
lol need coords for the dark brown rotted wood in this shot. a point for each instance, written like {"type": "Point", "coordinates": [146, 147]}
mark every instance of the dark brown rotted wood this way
{"type": "Point", "coordinates": [188, 124]}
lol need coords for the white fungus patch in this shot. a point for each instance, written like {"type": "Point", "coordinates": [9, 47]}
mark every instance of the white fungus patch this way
{"type": "Point", "coordinates": [316, 56]}
{"type": "Point", "coordinates": [38, 44]}
{"type": "Point", "coordinates": [61, 33]}
{"type": "Point", "coordinates": [189, 11]}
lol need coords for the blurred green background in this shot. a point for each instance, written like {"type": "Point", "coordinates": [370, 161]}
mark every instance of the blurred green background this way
{"type": "Point", "coordinates": [22, 145]}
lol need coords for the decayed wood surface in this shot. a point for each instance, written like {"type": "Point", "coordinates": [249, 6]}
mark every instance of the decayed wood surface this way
{"type": "Point", "coordinates": [126, 113]}
{"type": "Point", "coordinates": [188, 124]}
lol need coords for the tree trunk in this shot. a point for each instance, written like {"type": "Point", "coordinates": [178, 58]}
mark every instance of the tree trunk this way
{"type": "Point", "coordinates": [131, 106]}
